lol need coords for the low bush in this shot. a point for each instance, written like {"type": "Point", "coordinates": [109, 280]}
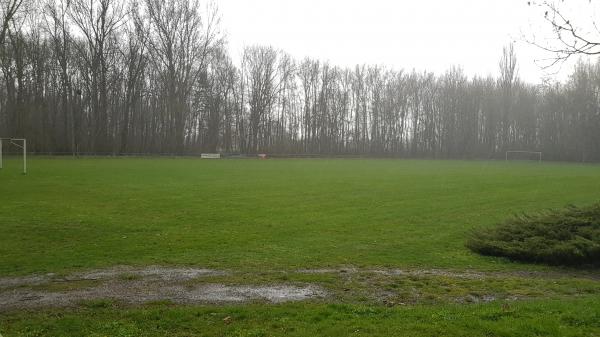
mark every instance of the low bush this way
{"type": "Point", "coordinates": [569, 236]}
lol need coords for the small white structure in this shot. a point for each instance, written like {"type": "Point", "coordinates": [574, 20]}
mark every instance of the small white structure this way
{"type": "Point", "coordinates": [210, 156]}
{"type": "Point", "coordinates": [15, 142]}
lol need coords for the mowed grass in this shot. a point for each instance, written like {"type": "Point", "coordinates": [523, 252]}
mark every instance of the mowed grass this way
{"type": "Point", "coordinates": [279, 214]}
{"type": "Point", "coordinates": [573, 317]}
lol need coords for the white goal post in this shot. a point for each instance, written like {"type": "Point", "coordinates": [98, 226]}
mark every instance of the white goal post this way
{"type": "Point", "coordinates": [15, 142]}
{"type": "Point", "coordinates": [538, 154]}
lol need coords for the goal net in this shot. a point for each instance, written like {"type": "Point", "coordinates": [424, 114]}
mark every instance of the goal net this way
{"type": "Point", "coordinates": [524, 155]}
{"type": "Point", "coordinates": [14, 146]}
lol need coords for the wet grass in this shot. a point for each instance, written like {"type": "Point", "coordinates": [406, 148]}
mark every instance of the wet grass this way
{"type": "Point", "coordinates": [382, 288]}
{"type": "Point", "coordinates": [63, 286]}
{"type": "Point", "coordinates": [368, 287]}
{"type": "Point", "coordinates": [263, 220]}
{"type": "Point", "coordinates": [254, 215]}
{"type": "Point", "coordinates": [574, 317]}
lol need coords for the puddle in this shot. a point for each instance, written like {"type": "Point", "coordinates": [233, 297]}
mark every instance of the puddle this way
{"type": "Point", "coordinates": [141, 285]}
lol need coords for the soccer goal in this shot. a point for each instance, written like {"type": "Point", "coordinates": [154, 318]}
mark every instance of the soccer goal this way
{"type": "Point", "coordinates": [20, 143]}
{"type": "Point", "coordinates": [210, 156]}
{"type": "Point", "coordinates": [523, 155]}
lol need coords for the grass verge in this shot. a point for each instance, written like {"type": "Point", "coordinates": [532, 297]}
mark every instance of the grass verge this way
{"type": "Point", "coordinates": [578, 317]}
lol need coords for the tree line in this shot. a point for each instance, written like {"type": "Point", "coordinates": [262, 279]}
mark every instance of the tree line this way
{"type": "Point", "coordinates": [155, 76]}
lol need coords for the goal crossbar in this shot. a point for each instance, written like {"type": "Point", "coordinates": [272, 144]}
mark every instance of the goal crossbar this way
{"type": "Point", "coordinates": [22, 146]}
{"type": "Point", "coordinates": [538, 153]}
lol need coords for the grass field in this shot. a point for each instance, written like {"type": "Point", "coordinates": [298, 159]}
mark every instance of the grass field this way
{"type": "Point", "coordinates": [264, 218]}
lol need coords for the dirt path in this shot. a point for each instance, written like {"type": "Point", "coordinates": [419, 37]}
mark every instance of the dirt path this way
{"type": "Point", "coordinates": [466, 274]}
{"type": "Point", "coordinates": [195, 285]}
{"type": "Point", "coordinates": [140, 285]}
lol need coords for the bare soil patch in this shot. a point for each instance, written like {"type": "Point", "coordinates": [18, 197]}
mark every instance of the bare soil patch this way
{"type": "Point", "coordinates": [184, 285]}
{"type": "Point", "coordinates": [466, 274]}
{"type": "Point", "coordinates": [141, 285]}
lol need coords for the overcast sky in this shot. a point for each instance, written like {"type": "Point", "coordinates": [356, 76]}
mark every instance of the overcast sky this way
{"type": "Point", "coordinates": [422, 34]}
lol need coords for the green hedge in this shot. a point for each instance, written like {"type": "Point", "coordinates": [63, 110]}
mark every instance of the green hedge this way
{"type": "Point", "coordinates": [569, 236]}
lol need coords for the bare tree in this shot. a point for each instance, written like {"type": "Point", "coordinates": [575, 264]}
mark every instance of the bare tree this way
{"type": "Point", "coordinates": [507, 80]}
{"type": "Point", "coordinates": [9, 9]}
{"type": "Point", "coordinates": [98, 22]}
{"type": "Point", "coordinates": [571, 36]}
{"type": "Point", "coordinates": [180, 44]}
{"type": "Point", "coordinates": [155, 76]}
{"type": "Point", "coordinates": [58, 30]}
{"type": "Point", "coordinates": [261, 74]}
{"type": "Point", "coordinates": [134, 54]}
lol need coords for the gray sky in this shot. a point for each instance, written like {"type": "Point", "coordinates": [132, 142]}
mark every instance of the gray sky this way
{"type": "Point", "coordinates": [422, 34]}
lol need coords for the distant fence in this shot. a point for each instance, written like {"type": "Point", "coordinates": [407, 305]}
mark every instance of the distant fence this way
{"type": "Point", "coordinates": [221, 155]}
{"type": "Point", "coordinates": [224, 155]}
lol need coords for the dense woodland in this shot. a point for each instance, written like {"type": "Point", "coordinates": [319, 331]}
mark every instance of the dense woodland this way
{"type": "Point", "coordinates": [155, 76]}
